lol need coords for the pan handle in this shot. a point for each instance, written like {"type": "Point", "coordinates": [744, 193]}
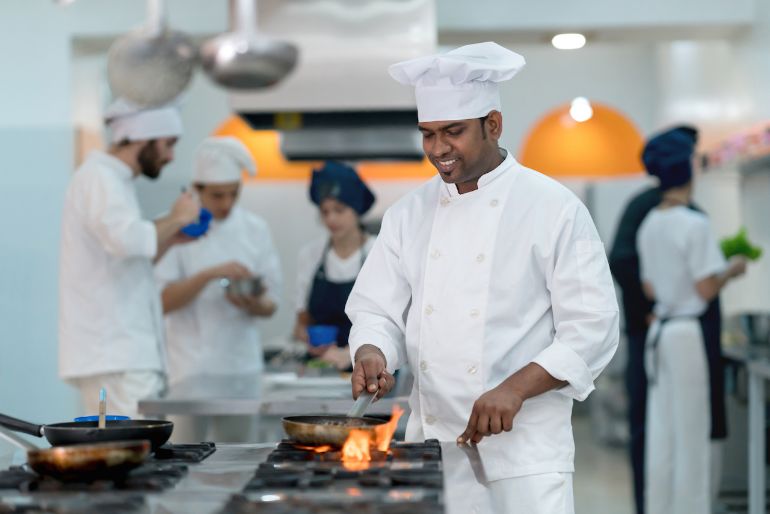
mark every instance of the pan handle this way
{"type": "Point", "coordinates": [16, 440]}
{"type": "Point", "coordinates": [17, 425]}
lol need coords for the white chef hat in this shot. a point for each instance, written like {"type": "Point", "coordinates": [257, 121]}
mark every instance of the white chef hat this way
{"type": "Point", "coordinates": [129, 121]}
{"type": "Point", "coordinates": [220, 160]}
{"type": "Point", "coordinates": [461, 84]}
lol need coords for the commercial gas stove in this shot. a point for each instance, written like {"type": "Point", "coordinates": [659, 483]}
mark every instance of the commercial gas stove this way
{"type": "Point", "coordinates": [406, 478]}
{"type": "Point", "coordinates": [254, 478]}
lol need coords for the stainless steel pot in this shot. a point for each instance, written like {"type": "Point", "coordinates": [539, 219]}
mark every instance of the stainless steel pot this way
{"type": "Point", "coordinates": [244, 60]}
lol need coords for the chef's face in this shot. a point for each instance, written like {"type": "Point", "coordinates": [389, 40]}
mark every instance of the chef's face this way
{"type": "Point", "coordinates": [154, 155]}
{"type": "Point", "coordinates": [339, 218]}
{"type": "Point", "coordinates": [462, 150]}
{"type": "Point", "coordinates": [219, 199]}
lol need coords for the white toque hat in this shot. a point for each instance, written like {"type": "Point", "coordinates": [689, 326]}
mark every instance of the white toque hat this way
{"type": "Point", "coordinates": [220, 160]}
{"type": "Point", "coordinates": [461, 84]}
{"type": "Point", "coordinates": [132, 122]}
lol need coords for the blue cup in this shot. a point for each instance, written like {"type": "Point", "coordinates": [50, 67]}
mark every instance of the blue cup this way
{"type": "Point", "coordinates": [96, 418]}
{"type": "Point", "coordinates": [200, 228]}
{"type": "Point", "coordinates": [321, 335]}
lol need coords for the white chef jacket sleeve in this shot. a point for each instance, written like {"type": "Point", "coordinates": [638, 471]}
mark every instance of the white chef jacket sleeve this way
{"type": "Point", "coordinates": [115, 222]}
{"type": "Point", "coordinates": [585, 309]}
{"type": "Point", "coordinates": [704, 257]}
{"type": "Point", "coordinates": [380, 299]}
{"type": "Point", "coordinates": [270, 266]}
{"type": "Point", "coordinates": [169, 268]}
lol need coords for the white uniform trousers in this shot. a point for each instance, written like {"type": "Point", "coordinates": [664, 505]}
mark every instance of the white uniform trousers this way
{"type": "Point", "coordinates": [678, 463]}
{"type": "Point", "coordinates": [124, 390]}
{"type": "Point", "coordinates": [547, 493]}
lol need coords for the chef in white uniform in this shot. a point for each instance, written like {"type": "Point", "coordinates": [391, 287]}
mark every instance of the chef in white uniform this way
{"type": "Point", "coordinates": [110, 326]}
{"type": "Point", "coordinates": [208, 331]}
{"type": "Point", "coordinates": [489, 281]}
{"type": "Point", "coordinates": [682, 269]}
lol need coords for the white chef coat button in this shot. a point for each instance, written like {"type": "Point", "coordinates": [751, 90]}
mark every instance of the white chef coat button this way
{"type": "Point", "coordinates": [436, 254]}
{"type": "Point", "coordinates": [429, 310]}
{"type": "Point", "coordinates": [472, 369]}
{"type": "Point", "coordinates": [423, 365]}
{"type": "Point", "coordinates": [430, 419]}
{"type": "Point", "coordinates": [480, 257]}
{"type": "Point", "coordinates": [475, 313]}
{"type": "Point", "coordinates": [493, 203]}
{"type": "Point", "coordinates": [444, 201]}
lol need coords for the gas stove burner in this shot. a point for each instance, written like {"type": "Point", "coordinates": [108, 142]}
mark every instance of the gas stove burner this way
{"type": "Point", "coordinates": [240, 504]}
{"type": "Point", "coordinates": [406, 478]}
{"type": "Point", "coordinates": [185, 452]}
{"type": "Point", "coordinates": [81, 504]}
{"type": "Point", "coordinates": [150, 476]}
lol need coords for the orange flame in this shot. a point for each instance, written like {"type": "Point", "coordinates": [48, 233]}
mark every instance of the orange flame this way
{"type": "Point", "coordinates": [384, 433]}
{"type": "Point", "coordinates": [355, 451]}
{"type": "Point", "coordinates": [317, 449]}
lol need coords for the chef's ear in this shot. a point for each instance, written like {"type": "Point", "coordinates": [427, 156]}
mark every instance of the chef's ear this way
{"type": "Point", "coordinates": [493, 125]}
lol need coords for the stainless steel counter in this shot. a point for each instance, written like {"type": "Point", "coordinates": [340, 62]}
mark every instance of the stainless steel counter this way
{"type": "Point", "coordinates": [272, 394]}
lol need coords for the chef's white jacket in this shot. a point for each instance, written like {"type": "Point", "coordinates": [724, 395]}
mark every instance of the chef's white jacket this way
{"type": "Point", "coordinates": [209, 335]}
{"type": "Point", "coordinates": [467, 289]}
{"type": "Point", "coordinates": [109, 305]}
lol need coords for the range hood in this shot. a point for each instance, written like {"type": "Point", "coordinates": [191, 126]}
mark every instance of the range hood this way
{"type": "Point", "coordinates": [340, 102]}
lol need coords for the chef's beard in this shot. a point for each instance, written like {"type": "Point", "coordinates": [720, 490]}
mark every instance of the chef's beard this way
{"type": "Point", "coordinates": [149, 161]}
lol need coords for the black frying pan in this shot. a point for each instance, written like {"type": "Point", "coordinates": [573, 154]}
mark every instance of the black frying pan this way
{"type": "Point", "coordinates": [79, 432]}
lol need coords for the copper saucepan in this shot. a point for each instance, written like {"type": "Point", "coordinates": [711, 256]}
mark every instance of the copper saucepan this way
{"type": "Point", "coordinates": [83, 462]}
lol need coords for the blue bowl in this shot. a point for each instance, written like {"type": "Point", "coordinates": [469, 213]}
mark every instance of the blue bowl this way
{"type": "Point", "coordinates": [320, 335]}
{"type": "Point", "coordinates": [96, 418]}
{"type": "Point", "coordinates": [200, 228]}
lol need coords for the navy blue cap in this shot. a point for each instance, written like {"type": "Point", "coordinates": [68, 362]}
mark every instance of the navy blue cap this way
{"type": "Point", "coordinates": [341, 182]}
{"type": "Point", "coordinates": [668, 156]}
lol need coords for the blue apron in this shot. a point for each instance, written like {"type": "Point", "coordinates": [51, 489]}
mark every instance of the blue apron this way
{"type": "Point", "coordinates": [326, 305]}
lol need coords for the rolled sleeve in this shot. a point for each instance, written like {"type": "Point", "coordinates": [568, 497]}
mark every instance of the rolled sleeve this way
{"type": "Point", "coordinates": [378, 303]}
{"type": "Point", "coordinates": [585, 309]}
{"type": "Point", "coordinates": [562, 363]}
{"type": "Point", "coordinates": [113, 217]}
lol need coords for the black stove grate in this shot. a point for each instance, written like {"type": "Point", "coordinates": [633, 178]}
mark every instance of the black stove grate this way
{"type": "Point", "coordinates": [407, 478]}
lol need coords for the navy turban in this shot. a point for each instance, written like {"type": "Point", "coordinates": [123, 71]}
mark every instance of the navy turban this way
{"type": "Point", "coordinates": [341, 182]}
{"type": "Point", "coordinates": [668, 156]}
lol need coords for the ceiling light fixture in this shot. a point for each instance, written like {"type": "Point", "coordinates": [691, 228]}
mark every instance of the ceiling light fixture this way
{"type": "Point", "coordinates": [568, 41]}
{"type": "Point", "coordinates": [580, 110]}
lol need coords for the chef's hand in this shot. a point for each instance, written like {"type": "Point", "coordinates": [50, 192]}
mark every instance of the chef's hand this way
{"type": "Point", "coordinates": [186, 209]}
{"type": "Point", "coordinates": [492, 413]}
{"type": "Point", "coordinates": [736, 266]}
{"type": "Point", "coordinates": [255, 305]}
{"type": "Point", "coordinates": [338, 357]}
{"type": "Point", "coordinates": [369, 372]}
{"type": "Point", "coordinates": [230, 270]}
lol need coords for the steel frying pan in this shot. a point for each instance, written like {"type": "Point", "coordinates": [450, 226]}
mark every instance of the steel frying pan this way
{"type": "Point", "coordinates": [323, 430]}
{"type": "Point", "coordinates": [83, 462]}
{"type": "Point", "coordinates": [62, 434]}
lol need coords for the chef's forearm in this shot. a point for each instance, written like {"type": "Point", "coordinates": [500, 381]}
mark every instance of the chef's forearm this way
{"type": "Point", "coordinates": [166, 228]}
{"type": "Point", "coordinates": [530, 381]}
{"type": "Point", "coordinates": [178, 294]}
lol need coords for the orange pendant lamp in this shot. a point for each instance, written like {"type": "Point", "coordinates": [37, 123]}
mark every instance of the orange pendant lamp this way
{"type": "Point", "coordinates": [603, 144]}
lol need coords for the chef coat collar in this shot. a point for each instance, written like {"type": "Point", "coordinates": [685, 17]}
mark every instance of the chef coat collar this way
{"type": "Point", "coordinates": [488, 177]}
{"type": "Point", "coordinates": [123, 170]}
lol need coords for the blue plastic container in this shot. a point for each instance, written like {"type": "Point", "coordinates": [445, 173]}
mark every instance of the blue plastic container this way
{"type": "Point", "coordinates": [200, 228]}
{"type": "Point", "coordinates": [320, 335]}
{"type": "Point", "coordinates": [96, 418]}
